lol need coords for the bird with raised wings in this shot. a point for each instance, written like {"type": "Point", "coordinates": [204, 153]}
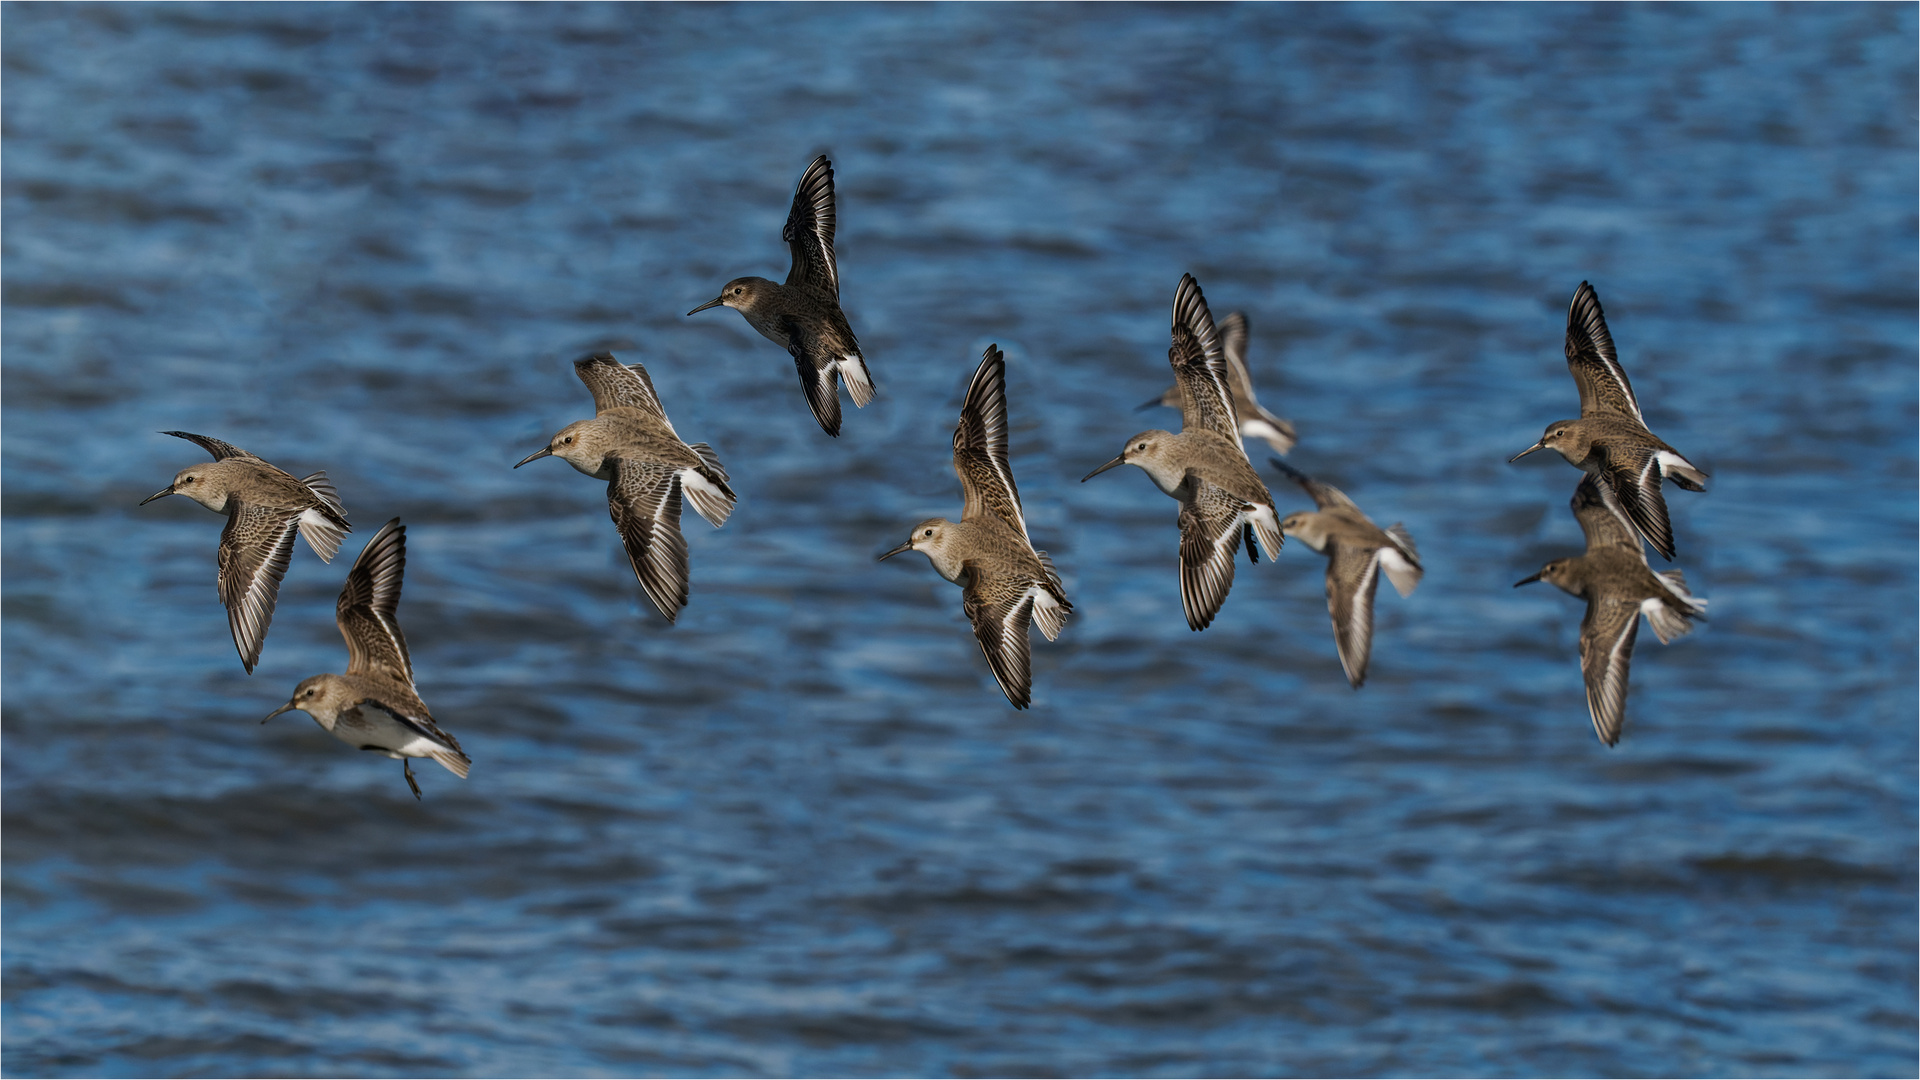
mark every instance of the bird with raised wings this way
{"type": "Point", "coordinates": [1203, 466]}
{"type": "Point", "coordinates": [374, 706]}
{"type": "Point", "coordinates": [265, 507]}
{"type": "Point", "coordinates": [1610, 441]}
{"type": "Point", "coordinates": [803, 315]}
{"type": "Point", "coordinates": [1005, 582]}
{"type": "Point", "coordinates": [1253, 420]}
{"type": "Point", "coordinates": [1357, 551]}
{"type": "Point", "coordinates": [631, 444]}
{"type": "Point", "coordinates": [1614, 579]}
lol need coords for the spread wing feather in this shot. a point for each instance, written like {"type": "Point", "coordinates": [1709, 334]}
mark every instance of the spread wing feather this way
{"type": "Point", "coordinates": [255, 548]}
{"type": "Point", "coordinates": [644, 500]}
{"type": "Point", "coordinates": [1001, 610]}
{"type": "Point", "coordinates": [1601, 518]}
{"type": "Point", "coordinates": [1606, 651]}
{"type": "Point", "coordinates": [1632, 476]}
{"type": "Point", "coordinates": [980, 446]}
{"type": "Point", "coordinates": [818, 381]}
{"type": "Point", "coordinates": [1590, 357]}
{"type": "Point", "coordinates": [1209, 538]}
{"type": "Point", "coordinates": [809, 231]}
{"type": "Point", "coordinates": [1199, 366]}
{"type": "Point", "coordinates": [616, 385]}
{"type": "Point", "coordinates": [1353, 575]}
{"type": "Point", "coordinates": [368, 609]}
{"type": "Point", "coordinates": [221, 451]}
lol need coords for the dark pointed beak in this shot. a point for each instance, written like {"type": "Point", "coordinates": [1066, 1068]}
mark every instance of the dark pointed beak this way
{"type": "Point", "coordinates": [161, 494]}
{"type": "Point", "coordinates": [908, 546]}
{"type": "Point", "coordinates": [1525, 452]}
{"type": "Point", "coordinates": [1528, 580]}
{"type": "Point", "coordinates": [288, 707]}
{"type": "Point", "coordinates": [1145, 405]}
{"type": "Point", "coordinates": [545, 451]}
{"type": "Point", "coordinates": [1121, 460]}
{"type": "Point", "coordinates": [715, 302]}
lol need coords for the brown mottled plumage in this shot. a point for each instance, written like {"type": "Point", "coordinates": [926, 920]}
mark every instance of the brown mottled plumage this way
{"type": "Point", "coordinates": [1204, 466]}
{"type": "Point", "coordinates": [803, 316]}
{"type": "Point", "coordinates": [265, 507]}
{"type": "Point", "coordinates": [374, 706]}
{"type": "Point", "coordinates": [1005, 582]}
{"type": "Point", "coordinates": [631, 444]}
{"type": "Point", "coordinates": [1618, 586]}
{"type": "Point", "coordinates": [1252, 419]}
{"type": "Point", "coordinates": [1610, 441]}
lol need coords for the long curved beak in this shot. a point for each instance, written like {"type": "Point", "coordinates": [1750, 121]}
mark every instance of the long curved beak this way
{"type": "Point", "coordinates": [545, 451]}
{"type": "Point", "coordinates": [1528, 580]}
{"type": "Point", "coordinates": [1121, 460]}
{"type": "Point", "coordinates": [908, 546]}
{"type": "Point", "coordinates": [161, 494]}
{"type": "Point", "coordinates": [288, 707]}
{"type": "Point", "coordinates": [715, 302]}
{"type": "Point", "coordinates": [1525, 452]}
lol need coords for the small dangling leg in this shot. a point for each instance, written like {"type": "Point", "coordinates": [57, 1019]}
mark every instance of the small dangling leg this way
{"type": "Point", "coordinates": [411, 782]}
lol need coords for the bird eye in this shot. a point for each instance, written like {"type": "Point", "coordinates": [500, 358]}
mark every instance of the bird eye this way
{"type": "Point", "coordinates": [929, 532]}
{"type": "Point", "coordinates": [739, 290]}
{"type": "Point", "coordinates": [1142, 446]}
{"type": "Point", "coordinates": [309, 693]}
{"type": "Point", "coordinates": [566, 440]}
{"type": "Point", "coordinates": [189, 480]}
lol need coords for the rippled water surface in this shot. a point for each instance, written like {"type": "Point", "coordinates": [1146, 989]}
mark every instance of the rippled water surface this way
{"type": "Point", "coordinates": [801, 832]}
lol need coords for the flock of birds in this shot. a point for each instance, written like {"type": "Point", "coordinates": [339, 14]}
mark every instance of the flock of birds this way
{"type": "Point", "coordinates": [1006, 583]}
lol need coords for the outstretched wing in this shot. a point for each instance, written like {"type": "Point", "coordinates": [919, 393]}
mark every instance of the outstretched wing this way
{"type": "Point", "coordinates": [809, 231]}
{"type": "Point", "coordinates": [1353, 574]}
{"type": "Point", "coordinates": [1209, 537]}
{"type": "Point", "coordinates": [1606, 650]}
{"type": "Point", "coordinates": [1590, 357]}
{"type": "Point", "coordinates": [644, 499]}
{"type": "Point", "coordinates": [980, 446]}
{"type": "Point", "coordinates": [255, 548]}
{"type": "Point", "coordinates": [1199, 366]}
{"type": "Point", "coordinates": [1325, 496]}
{"type": "Point", "coordinates": [614, 385]}
{"type": "Point", "coordinates": [221, 451]}
{"type": "Point", "coordinates": [1632, 476]}
{"type": "Point", "coordinates": [1600, 518]}
{"type": "Point", "coordinates": [1001, 610]}
{"type": "Point", "coordinates": [368, 607]}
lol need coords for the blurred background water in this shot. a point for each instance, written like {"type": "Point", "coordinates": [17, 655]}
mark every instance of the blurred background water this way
{"type": "Point", "coordinates": [801, 832]}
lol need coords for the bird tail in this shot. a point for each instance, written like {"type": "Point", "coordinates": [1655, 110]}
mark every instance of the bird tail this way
{"type": "Point", "coordinates": [1682, 472]}
{"type": "Point", "coordinates": [707, 489]}
{"type": "Point", "coordinates": [1266, 524]}
{"type": "Point", "coordinates": [323, 527]}
{"type": "Point", "coordinates": [1050, 609]}
{"type": "Point", "coordinates": [456, 762]}
{"type": "Point", "coordinates": [853, 368]}
{"type": "Point", "coordinates": [1672, 616]}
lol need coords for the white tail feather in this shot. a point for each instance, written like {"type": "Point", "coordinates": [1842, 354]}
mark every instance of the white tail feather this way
{"type": "Point", "coordinates": [1404, 574]}
{"type": "Point", "coordinates": [456, 763]}
{"type": "Point", "coordinates": [321, 534]}
{"type": "Point", "coordinates": [709, 500]}
{"type": "Point", "coordinates": [853, 369]}
{"type": "Point", "coordinates": [1048, 614]}
{"type": "Point", "coordinates": [1266, 525]}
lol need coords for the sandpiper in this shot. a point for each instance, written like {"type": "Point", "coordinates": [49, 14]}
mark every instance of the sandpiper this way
{"type": "Point", "coordinates": [1204, 466]}
{"type": "Point", "coordinates": [1618, 586]}
{"type": "Point", "coordinates": [265, 506]}
{"type": "Point", "coordinates": [1357, 551]}
{"type": "Point", "coordinates": [803, 316]}
{"type": "Point", "coordinates": [1611, 440]}
{"type": "Point", "coordinates": [1005, 582]}
{"type": "Point", "coordinates": [374, 706]}
{"type": "Point", "coordinates": [631, 444]}
{"type": "Point", "coordinates": [1254, 421]}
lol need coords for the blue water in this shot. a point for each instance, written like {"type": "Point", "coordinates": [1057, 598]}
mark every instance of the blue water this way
{"type": "Point", "coordinates": [801, 832]}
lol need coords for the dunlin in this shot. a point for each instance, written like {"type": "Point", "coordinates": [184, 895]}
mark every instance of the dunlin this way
{"type": "Point", "coordinates": [1254, 421]}
{"type": "Point", "coordinates": [374, 706]}
{"type": "Point", "coordinates": [1357, 551]}
{"type": "Point", "coordinates": [1618, 586]}
{"type": "Point", "coordinates": [1004, 581]}
{"type": "Point", "coordinates": [1611, 440]}
{"type": "Point", "coordinates": [1203, 466]}
{"type": "Point", "coordinates": [803, 316]}
{"type": "Point", "coordinates": [631, 444]}
{"type": "Point", "coordinates": [265, 506]}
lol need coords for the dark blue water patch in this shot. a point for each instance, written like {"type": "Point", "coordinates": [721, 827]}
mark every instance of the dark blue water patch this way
{"type": "Point", "coordinates": [800, 832]}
